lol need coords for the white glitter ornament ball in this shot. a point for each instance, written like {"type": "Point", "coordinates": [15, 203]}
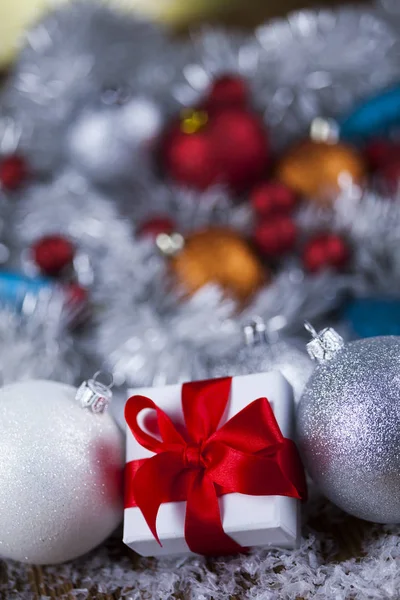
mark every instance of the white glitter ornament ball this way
{"type": "Point", "coordinates": [60, 471]}
{"type": "Point", "coordinates": [349, 424]}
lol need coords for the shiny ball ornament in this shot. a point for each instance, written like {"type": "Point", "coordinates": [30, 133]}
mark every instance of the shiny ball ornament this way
{"type": "Point", "coordinates": [318, 170]}
{"type": "Point", "coordinates": [349, 424]}
{"type": "Point", "coordinates": [326, 251]}
{"type": "Point", "coordinates": [272, 197]}
{"type": "Point", "coordinates": [13, 172]}
{"type": "Point", "coordinates": [227, 146]}
{"type": "Point", "coordinates": [106, 142]}
{"type": "Point", "coordinates": [228, 90]}
{"type": "Point", "coordinates": [61, 474]}
{"type": "Point", "coordinates": [52, 254]}
{"type": "Point", "coordinates": [275, 236]}
{"type": "Point", "coordinates": [383, 157]}
{"type": "Point", "coordinates": [283, 356]}
{"type": "Point", "coordinates": [220, 256]}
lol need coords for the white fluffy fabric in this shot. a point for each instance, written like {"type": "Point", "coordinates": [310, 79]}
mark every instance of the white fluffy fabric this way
{"type": "Point", "coordinates": [340, 558]}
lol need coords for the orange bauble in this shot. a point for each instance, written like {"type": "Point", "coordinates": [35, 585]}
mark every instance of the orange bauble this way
{"type": "Point", "coordinates": [318, 170]}
{"type": "Point", "coordinates": [219, 255]}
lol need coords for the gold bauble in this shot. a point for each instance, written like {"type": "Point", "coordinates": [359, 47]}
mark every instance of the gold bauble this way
{"type": "Point", "coordinates": [221, 256]}
{"type": "Point", "coordinates": [318, 170]}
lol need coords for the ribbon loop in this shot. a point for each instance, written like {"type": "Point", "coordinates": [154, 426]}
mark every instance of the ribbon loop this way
{"type": "Point", "coordinates": [247, 455]}
{"type": "Point", "coordinates": [169, 434]}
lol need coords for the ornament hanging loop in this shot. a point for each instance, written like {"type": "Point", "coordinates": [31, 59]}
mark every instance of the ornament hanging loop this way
{"type": "Point", "coordinates": [325, 344]}
{"type": "Point", "coordinates": [95, 394]}
{"type": "Point", "coordinates": [311, 330]}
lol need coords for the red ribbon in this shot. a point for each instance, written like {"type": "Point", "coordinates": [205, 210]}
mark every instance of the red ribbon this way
{"type": "Point", "coordinates": [248, 455]}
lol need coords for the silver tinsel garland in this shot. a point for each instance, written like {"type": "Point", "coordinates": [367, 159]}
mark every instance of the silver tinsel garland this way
{"type": "Point", "coordinates": [89, 92]}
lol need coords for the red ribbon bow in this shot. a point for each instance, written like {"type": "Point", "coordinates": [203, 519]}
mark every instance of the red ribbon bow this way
{"type": "Point", "coordinates": [248, 455]}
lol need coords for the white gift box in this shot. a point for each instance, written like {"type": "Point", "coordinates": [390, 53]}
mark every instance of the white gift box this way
{"type": "Point", "coordinates": [249, 520]}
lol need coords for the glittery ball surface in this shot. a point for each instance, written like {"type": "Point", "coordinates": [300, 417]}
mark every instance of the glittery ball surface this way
{"type": "Point", "coordinates": [349, 429]}
{"type": "Point", "coordinates": [60, 470]}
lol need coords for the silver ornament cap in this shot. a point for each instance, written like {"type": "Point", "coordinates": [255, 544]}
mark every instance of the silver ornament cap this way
{"type": "Point", "coordinates": [94, 394]}
{"type": "Point", "coordinates": [325, 344]}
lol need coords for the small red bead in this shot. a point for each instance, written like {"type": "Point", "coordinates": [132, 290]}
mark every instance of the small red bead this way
{"type": "Point", "coordinates": [53, 254]}
{"type": "Point", "coordinates": [325, 251]}
{"type": "Point", "coordinates": [276, 236]}
{"type": "Point", "coordinates": [228, 90]}
{"type": "Point", "coordinates": [156, 225]}
{"type": "Point", "coordinates": [13, 172]}
{"type": "Point", "coordinates": [272, 197]}
{"type": "Point", "coordinates": [380, 152]}
{"type": "Point", "coordinates": [390, 173]}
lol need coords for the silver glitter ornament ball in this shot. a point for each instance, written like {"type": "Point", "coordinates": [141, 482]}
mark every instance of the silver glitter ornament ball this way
{"type": "Point", "coordinates": [60, 471]}
{"type": "Point", "coordinates": [349, 424]}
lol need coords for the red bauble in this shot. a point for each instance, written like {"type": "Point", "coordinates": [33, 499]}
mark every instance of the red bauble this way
{"type": "Point", "coordinates": [230, 148]}
{"type": "Point", "coordinates": [390, 173]}
{"type": "Point", "coordinates": [276, 236]}
{"type": "Point", "coordinates": [228, 90]}
{"type": "Point", "coordinates": [380, 152]}
{"type": "Point", "coordinates": [272, 197]}
{"type": "Point", "coordinates": [156, 225]}
{"type": "Point", "coordinates": [13, 172]}
{"type": "Point", "coordinates": [326, 250]}
{"type": "Point", "coordinates": [53, 253]}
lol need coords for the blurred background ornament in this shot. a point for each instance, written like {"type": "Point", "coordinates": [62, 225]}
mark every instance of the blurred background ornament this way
{"type": "Point", "coordinates": [318, 170]}
{"type": "Point", "coordinates": [91, 88]}
{"type": "Point", "coordinates": [348, 424]}
{"type": "Point", "coordinates": [60, 461]}
{"type": "Point", "coordinates": [221, 143]}
{"type": "Point", "coordinates": [372, 317]}
{"type": "Point", "coordinates": [218, 256]}
{"type": "Point", "coordinates": [326, 251]}
{"type": "Point", "coordinates": [271, 198]}
{"type": "Point", "coordinates": [13, 172]}
{"type": "Point", "coordinates": [263, 350]}
{"type": "Point", "coordinates": [376, 116]}
{"type": "Point", "coordinates": [276, 236]}
{"type": "Point", "coordinates": [53, 254]}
